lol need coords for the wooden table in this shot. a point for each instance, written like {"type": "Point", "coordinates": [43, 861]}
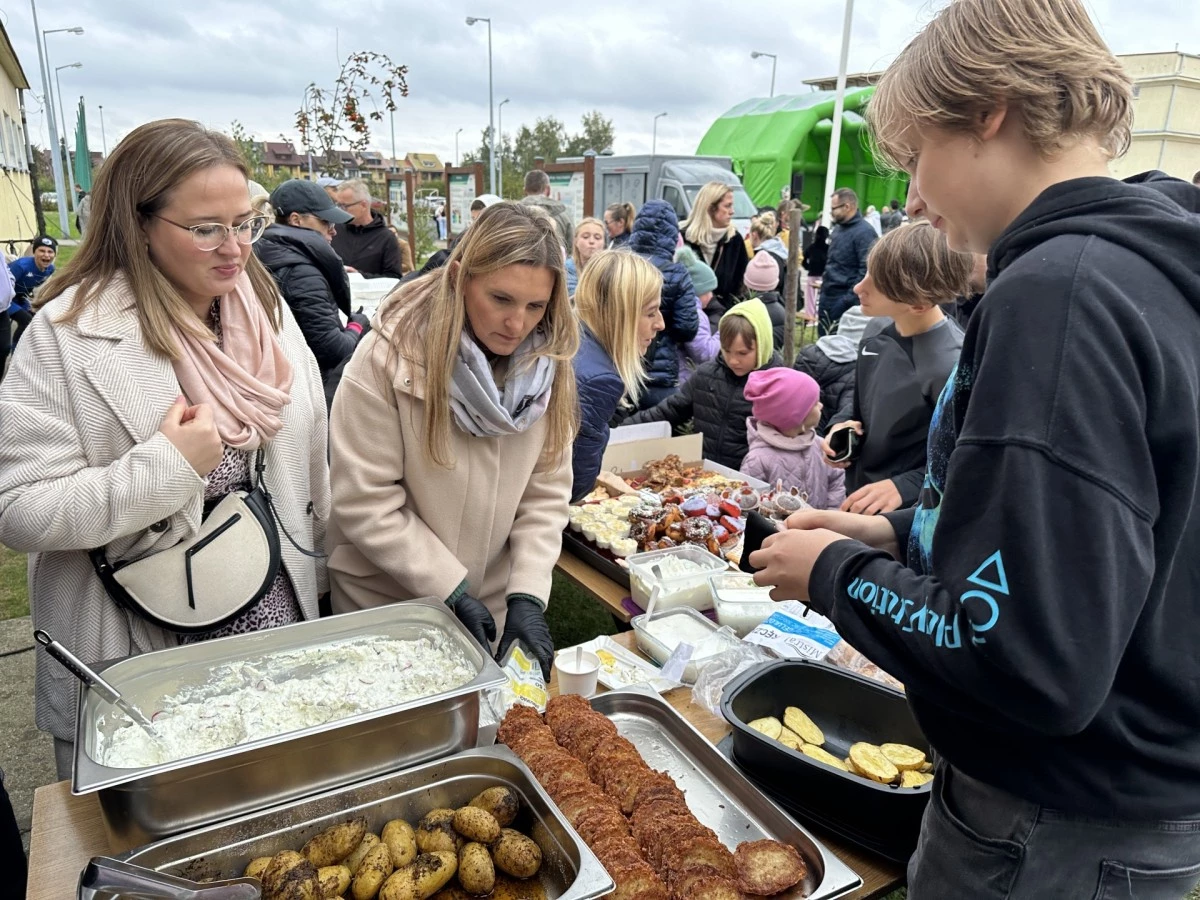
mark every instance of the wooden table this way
{"type": "Point", "coordinates": [607, 592]}
{"type": "Point", "coordinates": [68, 831]}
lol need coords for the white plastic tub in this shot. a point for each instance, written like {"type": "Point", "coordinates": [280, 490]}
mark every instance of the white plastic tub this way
{"type": "Point", "coordinates": [739, 602]}
{"type": "Point", "coordinates": [659, 637]}
{"type": "Point", "coordinates": [679, 588]}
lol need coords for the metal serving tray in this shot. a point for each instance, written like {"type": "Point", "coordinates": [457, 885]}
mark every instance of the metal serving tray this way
{"type": "Point", "coordinates": [146, 804]}
{"type": "Point", "coordinates": [719, 795]}
{"type": "Point", "coordinates": [569, 869]}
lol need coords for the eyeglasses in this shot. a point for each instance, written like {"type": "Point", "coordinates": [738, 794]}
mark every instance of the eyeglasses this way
{"type": "Point", "coordinates": [839, 206]}
{"type": "Point", "coordinates": [346, 206]}
{"type": "Point", "coordinates": [211, 235]}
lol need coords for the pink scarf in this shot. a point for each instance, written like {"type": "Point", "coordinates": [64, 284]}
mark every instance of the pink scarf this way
{"type": "Point", "coordinates": [247, 383]}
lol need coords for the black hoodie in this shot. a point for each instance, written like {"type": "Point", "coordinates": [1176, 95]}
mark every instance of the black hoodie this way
{"type": "Point", "coordinates": [1046, 626]}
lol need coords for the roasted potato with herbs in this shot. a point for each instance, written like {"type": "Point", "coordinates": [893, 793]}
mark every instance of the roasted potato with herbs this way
{"type": "Point", "coordinates": [436, 832]}
{"type": "Point", "coordinates": [354, 860]}
{"type": "Point", "coordinates": [401, 840]}
{"type": "Point", "coordinates": [502, 802]}
{"type": "Point", "coordinates": [289, 876]}
{"type": "Point", "coordinates": [334, 881]}
{"type": "Point", "coordinates": [372, 872]}
{"type": "Point", "coordinates": [476, 871]}
{"type": "Point", "coordinates": [424, 877]}
{"type": "Point", "coordinates": [476, 824]}
{"type": "Point", "coordinates": [334, 844]}
{"type": "Point", "coordinates": [516, 855]}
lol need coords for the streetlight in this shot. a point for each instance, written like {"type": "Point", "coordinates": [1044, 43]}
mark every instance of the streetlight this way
{"type": "Point", "coordinates": [835, 142]}
{"type": "Point", "coordinates": [755, 54]}
{"type": "Point", "coordinates": [55, 168]}
{"type": "Point", "coordinates": [103, 139]}
{"type": "Point", "coordinates": [500, 161]}
{"type": "Point", "coordinates": [62, 112]}
{"type": "Point", "coordinates": [471, 20]}
{"type": "Point", "coordinates": [457, 158]}
{"type": "Point", "coordinates": [654, 140]}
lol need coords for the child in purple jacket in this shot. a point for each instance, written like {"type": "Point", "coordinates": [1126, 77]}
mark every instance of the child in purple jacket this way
{"type": "Point", "coordinates": [784, 446]}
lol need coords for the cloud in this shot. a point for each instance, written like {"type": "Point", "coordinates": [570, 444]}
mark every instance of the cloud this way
{"type": "Point", "coordinates": [631, 59]}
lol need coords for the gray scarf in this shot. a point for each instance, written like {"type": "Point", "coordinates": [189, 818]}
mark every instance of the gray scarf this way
{"type": "Point", "coordinates": [481, 408]}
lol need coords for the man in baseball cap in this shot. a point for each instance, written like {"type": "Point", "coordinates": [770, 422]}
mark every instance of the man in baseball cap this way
{"type": "Point", "coordinates": [28, 273]}
{"type": "Point", "coordinates": [296, 201]}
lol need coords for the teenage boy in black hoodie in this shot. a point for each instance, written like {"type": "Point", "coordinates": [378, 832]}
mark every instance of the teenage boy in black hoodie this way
{"type": "Point", "coordinates": [1044, 613]}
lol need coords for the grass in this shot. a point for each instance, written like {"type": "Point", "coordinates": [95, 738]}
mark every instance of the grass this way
{"type": "Point", "coordinates": [574, 617]}
{"type": "Point", "coordinates": [53, 229]}
{"type": "Point", "coordinates": [14, 596]}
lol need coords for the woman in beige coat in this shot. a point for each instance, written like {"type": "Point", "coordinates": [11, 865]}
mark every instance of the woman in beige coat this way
{"type": "Point", "coordinates": [451, 437]}
{"type": "Point", "coordinates": [162, 359]}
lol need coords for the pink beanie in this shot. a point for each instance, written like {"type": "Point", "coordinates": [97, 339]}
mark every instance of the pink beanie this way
{"type": "Point", "coordinates": [762, 273]}
{"type": "Point", "coordinates": [782, 397]}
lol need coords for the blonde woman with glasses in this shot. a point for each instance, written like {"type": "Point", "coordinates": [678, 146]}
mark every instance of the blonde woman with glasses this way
{"type": "Point", "coordinates": [452, 430]}
{"type": "Point", "coordinates": [162, 365]}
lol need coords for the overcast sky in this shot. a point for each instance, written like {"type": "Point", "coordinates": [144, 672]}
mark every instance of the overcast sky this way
{"type": "Point", "coordinates": [218, 61]}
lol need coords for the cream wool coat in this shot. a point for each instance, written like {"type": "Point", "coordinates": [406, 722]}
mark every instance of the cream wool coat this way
{"type": "Point", "coordinates": [83, 465]}
{"type": "Point", "coordinates": [403, 528]}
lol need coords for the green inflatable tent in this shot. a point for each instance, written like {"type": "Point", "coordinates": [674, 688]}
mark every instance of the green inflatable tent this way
{"type": "Point", "coordinates": [772, 140]}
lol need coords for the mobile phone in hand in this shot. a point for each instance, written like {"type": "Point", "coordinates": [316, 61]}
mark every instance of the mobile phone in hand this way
{"type": "Point", "coordinates": [758, 528]}
{"type": "Point", "coordinates": [845, 445]}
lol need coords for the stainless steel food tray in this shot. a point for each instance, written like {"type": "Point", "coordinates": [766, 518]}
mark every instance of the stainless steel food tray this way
{"type": "Point", "coordinates": [146, 804]}
{"type": "Point", "coordinates": [719, 795]}
{"type": "Point", "coordinates": [569, 869]}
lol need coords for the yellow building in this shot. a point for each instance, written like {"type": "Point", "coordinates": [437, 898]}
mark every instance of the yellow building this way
{"type": "Point", "coordinates": [18, 219]}
{"type": "Point", "coordinates": [1166, 115]}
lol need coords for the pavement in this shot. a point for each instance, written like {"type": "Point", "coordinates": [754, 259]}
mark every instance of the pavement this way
{"type": "Point", "coordinates": [26, 754]}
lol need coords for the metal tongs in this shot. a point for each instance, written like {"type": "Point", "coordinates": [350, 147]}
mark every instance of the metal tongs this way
{"type": "Point", "coordinates": [107, 879]}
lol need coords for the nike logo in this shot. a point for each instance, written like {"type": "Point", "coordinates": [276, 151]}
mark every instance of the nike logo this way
{"type": "Point", "coordinates": [867, 352]}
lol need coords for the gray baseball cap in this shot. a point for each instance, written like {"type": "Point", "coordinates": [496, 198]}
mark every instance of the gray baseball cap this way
{"type": "Point", "coordinates": [299, 196]}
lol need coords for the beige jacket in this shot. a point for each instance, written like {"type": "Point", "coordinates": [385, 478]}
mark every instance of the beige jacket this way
{"type": "Point", "coordinates": [83, 465]}
{"type": "Point", "coordinates": [403, 528]}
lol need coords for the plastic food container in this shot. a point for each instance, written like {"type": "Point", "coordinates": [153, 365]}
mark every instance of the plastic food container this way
{"type": "Point", "coordinates": [739, 602]}
{"type": "Point", "coordinates": [684, 582]}
{"type": "Point", "coordinates": [659, 640]}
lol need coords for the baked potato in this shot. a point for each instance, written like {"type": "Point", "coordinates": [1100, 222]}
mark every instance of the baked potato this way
{"type": "Point", "coordinates": [476, 871]}
{"type": "Point", "coordinates": [502, 802]}
{"type": "Point", "coordinates": [289, 876]}
{"type": "Point", "coordinates": [334, 881]}
{"type": "Point", "coordinates": [372, 872]}
{"type": "Point", "coordinates": [870, 761]}
{"type": "Point", "coordinates": [436, 832]}
{"type": "Point", "coordinates": [768, 725]}
{"type": "Point", "coordinates": [256, 867]}
{"type": "Point", "coordinates": [804, 728]}
{"type": "Point", "coordinates": [334, 844]}
{"type": "Point", "coordinates": [354, 860]}
{"type": "Point", "coordinates": [424, 877]}
{"type": "Point", "coordinates": [476, 824]}
{"type": "Point", "coordinates": [516, 855]}
{"type": "Point", "coordinates": [401, 840]}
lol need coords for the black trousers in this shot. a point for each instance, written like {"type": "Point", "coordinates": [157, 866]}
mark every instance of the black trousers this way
{"type": "Point", "coordinates": [12, 851]}
{"type": "Point", "coordinates": [5, 340]}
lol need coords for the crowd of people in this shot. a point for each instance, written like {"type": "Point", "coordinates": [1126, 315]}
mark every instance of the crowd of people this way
{"type": "Point", "coordinates": [997, 430]}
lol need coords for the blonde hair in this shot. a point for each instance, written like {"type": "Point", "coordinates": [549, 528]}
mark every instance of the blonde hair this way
{"type": "Point", "coordinates": [763, 227]}
{"type": "Point", "coordinates": [134, 183]}
{"type": "Point", "coordinates": [696, 229]}
{"type": "Point", "coordinates": [609, 298]}
{"type": "Point", "coordinates": [505, 234]}
{"type": "Point", "coordinates": [623, 213]}
{"type": "Point", "coordinates": [913, 264]}
{"type": "Point", "coordinates": [1044, 58]}
{"type": "Point", "coordinates": [579, 263]}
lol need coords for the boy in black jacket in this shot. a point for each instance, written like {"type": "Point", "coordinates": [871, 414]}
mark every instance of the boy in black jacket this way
{"type": "Point", "coordinates": [1044, 611]}
{"type": "Point", "coordinates": [907, 353]}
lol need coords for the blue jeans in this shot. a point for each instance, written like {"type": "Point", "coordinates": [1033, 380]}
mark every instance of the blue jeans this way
{"type": "Point", "coordinates": [982, 843]}
{"type": "Point", "coordinates": [830, 306]}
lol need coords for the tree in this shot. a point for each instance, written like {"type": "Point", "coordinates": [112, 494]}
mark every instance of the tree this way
{"type": "Point", "coordinates": [598, 134]}
{"type": "Point", "coordinates": [252, 152]}
{"type": "Point", "coordinates": [333, 119]}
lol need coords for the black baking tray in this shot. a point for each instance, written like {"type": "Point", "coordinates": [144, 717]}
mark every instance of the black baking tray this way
{"type": "Point", "coordinates": [604, 563]}
{"type": "Point", "coordinates": [848, 708]}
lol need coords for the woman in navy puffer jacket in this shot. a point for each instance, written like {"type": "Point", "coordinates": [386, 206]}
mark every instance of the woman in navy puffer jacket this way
{"type": "Point", "coordinates": [618, 304]}
{"type": "Point", "coordinates": [655, 237]}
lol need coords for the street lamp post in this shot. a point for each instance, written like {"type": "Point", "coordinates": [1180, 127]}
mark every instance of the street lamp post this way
{"type": "Point", "coordinates": [103, 139]}
{"type": "Point", "coordinates": [66, 153]}
{"type": "Point", "coordinates": [500, 160]}
{"type": "Point", "coordinates": [471, 20]}
{"type": "Point", "coordinates": [55, 167]}
{"type": "Point", "coordinates": [835, 141]}
{"type": "Point", "coordinates": [755, 54]}
{"type": "Point", "coordinates": [654, 139]}
{"type": "Point", "coordinates": [457, 158]}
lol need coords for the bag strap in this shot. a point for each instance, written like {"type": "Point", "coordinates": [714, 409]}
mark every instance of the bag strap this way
{"type": "Point", "coordinates": [260, 483]}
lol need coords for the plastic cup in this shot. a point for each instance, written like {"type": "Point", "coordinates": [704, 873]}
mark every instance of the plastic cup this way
{"type": "Point", "coordinates": [577, 677]}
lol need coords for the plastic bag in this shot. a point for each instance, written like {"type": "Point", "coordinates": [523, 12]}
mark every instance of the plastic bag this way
{"type": "Point", "coordinates": [524, 685]}
{"type": "Point", "coordinates": [846, 657]}
{"type": "Point", "coordinates": [715, 673]}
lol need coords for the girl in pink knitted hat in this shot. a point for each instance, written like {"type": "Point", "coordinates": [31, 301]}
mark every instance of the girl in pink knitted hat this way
{"type": "Point", "coordinates": [784, 446]}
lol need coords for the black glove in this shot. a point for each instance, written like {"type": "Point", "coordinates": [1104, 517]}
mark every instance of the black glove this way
{"type": "Point", "coordinates": [527, 621]}
{"type": "Point", "coordinates": [475, 616]}
{"type": "Point", "coordinates": [362, 321]}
